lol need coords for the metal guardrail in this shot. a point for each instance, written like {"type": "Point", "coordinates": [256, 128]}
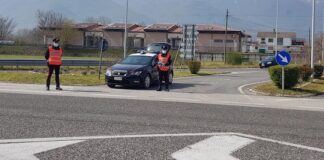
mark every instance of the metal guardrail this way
{"type": "Point", "coordinates": [13, 62]}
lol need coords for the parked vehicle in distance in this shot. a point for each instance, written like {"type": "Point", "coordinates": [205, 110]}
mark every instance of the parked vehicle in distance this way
{"type": "Point", "coordinates": [156, 48]}
{"type": "Point", "coordinates": [268, 62]}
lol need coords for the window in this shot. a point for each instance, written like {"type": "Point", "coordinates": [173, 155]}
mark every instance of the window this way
{"type": "Point", "coordinates": [262, 40]}
{"type": "Point", "coordinates": [218, 41]}
{"type": "Point", "coordinates": [270, 40]}
{"type": "Point", "coordinates": [230, 41]}
{"type": "Point", "coordinates": [280, 41]}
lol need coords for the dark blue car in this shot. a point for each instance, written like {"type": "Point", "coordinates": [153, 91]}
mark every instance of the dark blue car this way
{"type": "Point", "coordinates": [138, 69]}
{"type": "Point", "coordinates": [268, 62]}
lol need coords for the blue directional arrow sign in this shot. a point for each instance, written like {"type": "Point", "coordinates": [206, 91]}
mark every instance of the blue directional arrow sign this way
{"type": "Point", "coordinates": [283, 58]}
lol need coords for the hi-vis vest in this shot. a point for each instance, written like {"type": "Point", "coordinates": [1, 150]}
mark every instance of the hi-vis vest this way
{"type": "Point", "coordinates": [164, 60]}
{"type": "Point", "coordinates": [55, 56]}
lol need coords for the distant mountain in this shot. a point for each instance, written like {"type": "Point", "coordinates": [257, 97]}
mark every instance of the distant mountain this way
{"type": "Point", "coordinates": [249, 15]}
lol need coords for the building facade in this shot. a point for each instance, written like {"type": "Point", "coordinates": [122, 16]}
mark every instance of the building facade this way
{"type": "Point", "coordinates": [211, 37]}
{"type": "Point", "coordinates": [288, 41]}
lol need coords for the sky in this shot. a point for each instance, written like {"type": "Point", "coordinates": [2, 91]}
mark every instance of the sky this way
{"type": "Point", "coordinates": [250, 16]}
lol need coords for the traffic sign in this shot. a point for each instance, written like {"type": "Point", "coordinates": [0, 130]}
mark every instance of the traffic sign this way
{"type": "Point", "coordinates": [283, 58]}
{"type": "Point", "coordinates": [190, 36]}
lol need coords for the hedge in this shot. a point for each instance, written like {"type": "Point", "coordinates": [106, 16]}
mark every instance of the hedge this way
{"type": "Point", "coordinates": [292, 75]}
{"type": "Point", "coordinates": [234, 58]}
{"type": "Point", "coordinates": [194, 66]}
{"type": "Point", "coordinates": [318, 71]}
{"type": "Point", "coordinates": [305, 73]}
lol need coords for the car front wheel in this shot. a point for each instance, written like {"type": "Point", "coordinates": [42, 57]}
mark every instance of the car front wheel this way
{"type": "Point", "coordinates": [111, 85]}
{"type": "Point", "coordinates": [147, 82]}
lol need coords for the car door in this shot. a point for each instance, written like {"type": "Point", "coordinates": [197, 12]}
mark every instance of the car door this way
{"type": "Point", "coordinates": [155, 72]}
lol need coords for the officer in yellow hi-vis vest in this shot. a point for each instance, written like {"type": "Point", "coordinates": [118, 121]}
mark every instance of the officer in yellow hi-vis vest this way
{"type": "Point", "coordinates": [54, 61]}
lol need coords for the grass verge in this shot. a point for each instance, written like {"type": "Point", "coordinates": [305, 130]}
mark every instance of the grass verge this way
{"type": "Point", "coordinates": [316, 87]}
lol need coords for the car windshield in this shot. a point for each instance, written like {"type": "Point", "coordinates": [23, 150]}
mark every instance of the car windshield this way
{"type": "Point", "coordinates": [154, 48]}
{"type": "Point", "coordinates": [137, 60]}
{"type": "Point", "coordinates": [269, 58]}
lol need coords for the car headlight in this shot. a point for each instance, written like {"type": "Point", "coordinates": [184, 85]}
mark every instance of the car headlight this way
{"type": "Point", "coordinates": [136, 73]}
{"type": "Point", "coordinates": [108, 72]}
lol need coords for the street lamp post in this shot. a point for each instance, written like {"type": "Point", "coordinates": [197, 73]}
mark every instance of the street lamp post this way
{"type": "Point", "coordinates": [313, 32]}
{"type": "Point", "coordinates": [126, 32]}
{"type": "Point", "coordinates": [276, 51]}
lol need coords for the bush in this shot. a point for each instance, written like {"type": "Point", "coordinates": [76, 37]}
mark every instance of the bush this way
{"type": "Point", "coordinates": [292, 75]}
{"type": "Point", "coordinates": [318, 71]}
{"type": "Point", "coordinates": [93, 72]}
{"type": "Point", "coordinates": [194, 66]}
{"type": "Point", "coordinates": [305, 73]}
{"type": "Point", "coordinates": [84, 73]}
{"type": "Point", "coordinates": [234, 58]}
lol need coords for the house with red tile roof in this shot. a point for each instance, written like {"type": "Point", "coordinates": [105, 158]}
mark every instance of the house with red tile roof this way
{"type": "Point", "coordinates": [211, 38]}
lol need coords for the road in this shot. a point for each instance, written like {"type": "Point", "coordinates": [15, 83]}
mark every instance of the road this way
{"type": "Point", "coordinates": [36, 116]}
{"type": "Point", "coordinates": [210, 121]}
{"type": "Point", "coordinates": [223, 83]}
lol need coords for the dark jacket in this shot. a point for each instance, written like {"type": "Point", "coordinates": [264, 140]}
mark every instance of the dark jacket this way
{"type": "Point", "coordinates": [47, 52]}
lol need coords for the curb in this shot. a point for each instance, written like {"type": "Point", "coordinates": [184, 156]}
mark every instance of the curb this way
{"type": "Point", "coordinates": [251, 91]}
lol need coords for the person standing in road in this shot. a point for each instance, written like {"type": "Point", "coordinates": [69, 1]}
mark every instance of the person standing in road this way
{"type": "Point", "coordinates": [164, 62]}
{"type": "Point", "coordinates": [53, 57]}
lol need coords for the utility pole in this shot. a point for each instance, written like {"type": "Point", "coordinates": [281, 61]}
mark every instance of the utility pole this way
{"type": "Point", "coordinates": [309, 45]}
{"type": "Point", "coordinates": [126, 32]}
{"type": "Point", "coordinates": [322, 36]}
{"type": "Point", "coordinates": [225, 43]}
{"type": "Point", "coordinates": [282, 68]}
{"type": "Point", "coordinates": [277, 16]}
{"type": "Point", "coordinates": [313, 32]}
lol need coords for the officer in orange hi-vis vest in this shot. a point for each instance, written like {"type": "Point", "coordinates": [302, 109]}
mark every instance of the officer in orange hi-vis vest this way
{"type": "Point", "coordinates": [53, 57]}
{"type": "Point", "coordinates": [164, 62]}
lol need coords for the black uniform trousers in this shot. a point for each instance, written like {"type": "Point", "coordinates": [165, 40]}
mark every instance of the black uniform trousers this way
{"type": "Point", "coordinates": [164, 75]}
{"type": "Point", "coordinates": [51, 69]}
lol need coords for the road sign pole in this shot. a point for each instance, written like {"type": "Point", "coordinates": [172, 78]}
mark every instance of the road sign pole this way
{"type": "Point", "coordinates": [100, 62]}
{"type": "Point", "coordinates": [192, 42]}
{"type": "Point", "coordinates": [283, 80]}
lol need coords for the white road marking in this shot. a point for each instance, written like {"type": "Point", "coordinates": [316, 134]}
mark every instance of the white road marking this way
{"type": "Point", "coordinates": [32, 140]}
{"type": "Point", "coordinates": [240, 89]}
{"type": "Point", "coordinates": [214, 148]}
{"type": "Point", "coordinates": [27, 151]}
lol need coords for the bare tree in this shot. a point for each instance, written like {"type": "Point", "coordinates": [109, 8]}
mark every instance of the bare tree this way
{"type": "Point", "coordinates": [28, 36]}
{"type": "Point", "coordinates": [101, 20]}
{"type": "Point", "coordinates": [67, 33]}
{"type": "Point", "coordinates": [7, 26]}
{"type": "Point", "coordinates": [50, 19]}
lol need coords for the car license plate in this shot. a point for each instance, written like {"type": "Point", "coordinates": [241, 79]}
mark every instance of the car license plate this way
{"type": "Point", "coordinates": [118, 78]}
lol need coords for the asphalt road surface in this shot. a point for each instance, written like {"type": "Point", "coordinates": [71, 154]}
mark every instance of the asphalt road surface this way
{"type": "Point", "coordinates": [223, 83]}
{"type": "Point", "coordinates": [269, 134]}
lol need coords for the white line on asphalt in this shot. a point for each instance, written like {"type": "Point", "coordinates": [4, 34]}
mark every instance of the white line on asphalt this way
{"type": "Point", "coordinates": [27, 151]}
{"type": "Point", "coordinates": [240, 89]}
{"type": "Point", "coordinates": [8, 141]}
{"type": "Point", "coordinates": [213, 99]}
{"type": "Point", "coordinates": [213, 148]}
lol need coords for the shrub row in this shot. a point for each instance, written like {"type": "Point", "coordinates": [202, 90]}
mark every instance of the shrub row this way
{"type": "Point", "coordinates": [294, 74]}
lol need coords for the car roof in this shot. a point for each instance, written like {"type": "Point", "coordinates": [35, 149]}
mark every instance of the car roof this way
{"type": "Point", "coordinates": [143, 54]}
